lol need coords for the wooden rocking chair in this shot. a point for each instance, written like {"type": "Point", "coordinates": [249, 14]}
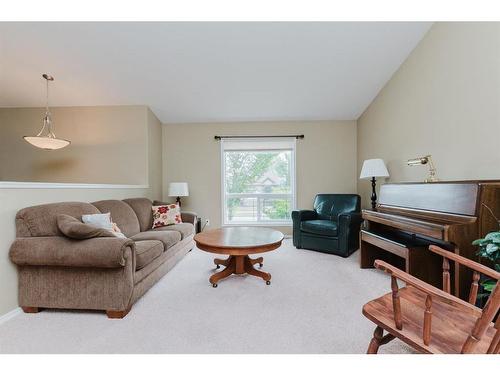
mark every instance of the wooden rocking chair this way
{"type": "Point", "coordinates": [431, 320]}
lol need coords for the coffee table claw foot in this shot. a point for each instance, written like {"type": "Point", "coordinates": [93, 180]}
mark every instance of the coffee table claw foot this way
{"type": "Point", "coordinates": [221, 262]}
{"type": "Point", "coordinates": [259, 260]}
{"type": "Point", "coordinates": [252, 271]}
{"type": "Point", "coordinates": [230, 268]}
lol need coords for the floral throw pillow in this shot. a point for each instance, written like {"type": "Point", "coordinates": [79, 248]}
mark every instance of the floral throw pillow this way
{"type": "Point", "coordinates": [166, 215]}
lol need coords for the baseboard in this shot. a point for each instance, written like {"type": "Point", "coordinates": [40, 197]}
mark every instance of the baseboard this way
{"type": "Point", "coordinates": [10, 315]}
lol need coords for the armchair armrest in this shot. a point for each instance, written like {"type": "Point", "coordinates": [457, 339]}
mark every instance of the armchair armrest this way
{"type": "Point", "coordinates": [303, 215]}
{"type": "Point", "coordinates": [297, 218]}
{"type": "Point", "coordinates": [189, 217]}
{"type": "Point", "coordinates": [100, 252]}
{"type": "Point", "coordinates": [347, 218]}
{"type": "Point", "coordinates": [348, 231]}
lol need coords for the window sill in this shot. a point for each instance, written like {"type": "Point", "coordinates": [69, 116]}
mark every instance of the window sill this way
{"type": "Point", "coordinates": [252, 224]}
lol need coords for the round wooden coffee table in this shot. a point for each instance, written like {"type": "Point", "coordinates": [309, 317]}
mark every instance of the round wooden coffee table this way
{"type": "Point", "coordinates": [239, 243]}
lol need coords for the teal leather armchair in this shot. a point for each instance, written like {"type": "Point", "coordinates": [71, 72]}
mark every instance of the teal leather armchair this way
{"type": "Point", "coordinates": [332, 227]}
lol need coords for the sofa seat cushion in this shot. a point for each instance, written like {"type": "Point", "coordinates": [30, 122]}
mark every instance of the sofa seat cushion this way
{"type": "Point", "coordinates": [146, 251]}
{"type": "Point", "coordinates": [169, 238]}
{"type": "Point", "coordinates": [321, 227]}
{"type": "Point", "coordinates": [185, 229]}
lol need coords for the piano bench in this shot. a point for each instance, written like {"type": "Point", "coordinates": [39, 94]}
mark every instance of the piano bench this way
{"type": "Point", "coordinates": [409, 254]}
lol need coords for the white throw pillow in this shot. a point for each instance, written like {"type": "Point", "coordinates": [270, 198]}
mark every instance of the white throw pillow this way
{"type": "Point", "coordinates": [103, 221]}
{"type": "Point", "coordinates": [99, 220]}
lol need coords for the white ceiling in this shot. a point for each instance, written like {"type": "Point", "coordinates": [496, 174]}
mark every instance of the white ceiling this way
{"type": "Point", "coordinates": [203, 72]}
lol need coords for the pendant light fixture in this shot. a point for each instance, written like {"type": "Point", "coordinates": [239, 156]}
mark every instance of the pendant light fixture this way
{"type": "Point", "coordinates": [46, 139]}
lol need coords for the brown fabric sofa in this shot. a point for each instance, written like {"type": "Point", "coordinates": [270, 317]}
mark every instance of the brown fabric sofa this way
{"type": "Point", "coordinates": [102, 273]}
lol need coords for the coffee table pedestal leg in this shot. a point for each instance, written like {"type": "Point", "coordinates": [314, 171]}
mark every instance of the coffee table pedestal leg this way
{"type": "Point", "coordinates": [239, 264]}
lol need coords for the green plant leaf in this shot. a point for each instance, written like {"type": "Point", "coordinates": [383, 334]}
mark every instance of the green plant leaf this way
{"type": "Point", "coordinates": [491, 248]}
{"type": "Point", "coordinates": [493, 236]}
{"type": "Point", "coordinates": [480, 241]}
{"type": "Point", "coordinates": [489, 286]}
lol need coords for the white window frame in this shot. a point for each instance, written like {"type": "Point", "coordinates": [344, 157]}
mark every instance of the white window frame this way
{"type": "Point", "coordinates": [293, 179]}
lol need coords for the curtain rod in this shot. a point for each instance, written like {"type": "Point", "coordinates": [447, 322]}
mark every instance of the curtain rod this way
{"type": "Point", "coordinates": [296, 136]}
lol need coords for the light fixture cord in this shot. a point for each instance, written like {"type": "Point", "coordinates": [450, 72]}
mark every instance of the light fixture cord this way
{"type": "Point", "coordinates": [47, 112]}
{"type": "Point", "coordinates": [47, 120]}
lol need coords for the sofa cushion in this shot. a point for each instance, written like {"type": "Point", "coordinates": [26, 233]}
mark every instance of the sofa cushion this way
{"type": "Point", "coordinates": [321, 227]}
{"type": "Point", "coordinates": [185, 229]}
{"type": "Point", "coordinates": [74, 228]}
{"type": "Point", "coordinates": [121, 214]}
{"type": "Point", "coordinates": [169, 238]}
{"type": "Point", "coordinates": [41, 221]}
{"type": "Point", "coordinates": [142, 209]}
{"type": "Point", "coordinates": [146, 251]}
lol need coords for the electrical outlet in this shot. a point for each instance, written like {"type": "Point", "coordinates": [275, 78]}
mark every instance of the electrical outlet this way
{"type": "Point", "coordinates": [207, 222]}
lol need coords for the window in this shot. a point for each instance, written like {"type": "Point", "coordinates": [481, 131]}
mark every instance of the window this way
{"type": "Point", "coordinates": [258, 180]}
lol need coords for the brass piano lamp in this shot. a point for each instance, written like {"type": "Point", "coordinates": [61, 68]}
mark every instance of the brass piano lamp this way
{"type": "Point", "coordinates": [422, 161]}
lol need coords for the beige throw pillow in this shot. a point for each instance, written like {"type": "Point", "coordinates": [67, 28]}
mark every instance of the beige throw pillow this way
{"type": "Point", "coordinates": [166, 215]}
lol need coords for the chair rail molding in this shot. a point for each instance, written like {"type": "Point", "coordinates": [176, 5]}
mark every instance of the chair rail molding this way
{"type": "Point", "coordinates": [64, 185]}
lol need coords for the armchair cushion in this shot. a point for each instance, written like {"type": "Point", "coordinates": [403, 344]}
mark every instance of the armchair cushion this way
{"type": "Point", "coordinates": [321, 227]}
{"type": "Point", "coordinates": [100, 252]}
{"type": "Point", "coordinates": [329, 206]}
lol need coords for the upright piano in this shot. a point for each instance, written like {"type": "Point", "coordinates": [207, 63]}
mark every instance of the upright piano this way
{"type": "Point", "coordinates": [411, 216]}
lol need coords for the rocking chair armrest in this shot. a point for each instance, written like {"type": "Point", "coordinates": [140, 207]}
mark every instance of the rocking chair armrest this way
{"type": "Point", "coordinates": [465, 262]}
{"type": "Point", "coordinates": [421, 285]}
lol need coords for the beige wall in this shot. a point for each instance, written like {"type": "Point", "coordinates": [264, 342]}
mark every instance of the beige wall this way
{"type": "Point", "coordinates": [155, 170]}
{"type": "Point", "coordinates": [326, 160]}
{"type": "Point", "coordinates": [444, 101]}
{"type": "Point", "coordinates": [107, 143]}
{"type": "Point", "coordinates": [147, 148]}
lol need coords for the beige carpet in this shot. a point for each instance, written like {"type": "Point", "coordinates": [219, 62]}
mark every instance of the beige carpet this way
{"type": "Point", "coordinates": [312, 306]}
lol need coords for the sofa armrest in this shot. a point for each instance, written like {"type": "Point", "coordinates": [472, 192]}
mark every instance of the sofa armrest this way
{"type": "Point", "coordinates": [100, 252]}
{"type": "Point", "coordinates": [189, 217]}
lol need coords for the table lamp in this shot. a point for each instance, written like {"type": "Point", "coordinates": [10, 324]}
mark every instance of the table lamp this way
{"type": "Point", "coordinates": [373, 168]}
{"type": "Point", "coordinates": [178, 189]}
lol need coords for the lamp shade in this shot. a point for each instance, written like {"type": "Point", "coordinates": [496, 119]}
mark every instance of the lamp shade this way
{"type": "Point", "coordinates": [178, 189]}
{"type": "Point", "coordinates": [47, 143]}
{"type": "Point", "coordinates": [374, 168]}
